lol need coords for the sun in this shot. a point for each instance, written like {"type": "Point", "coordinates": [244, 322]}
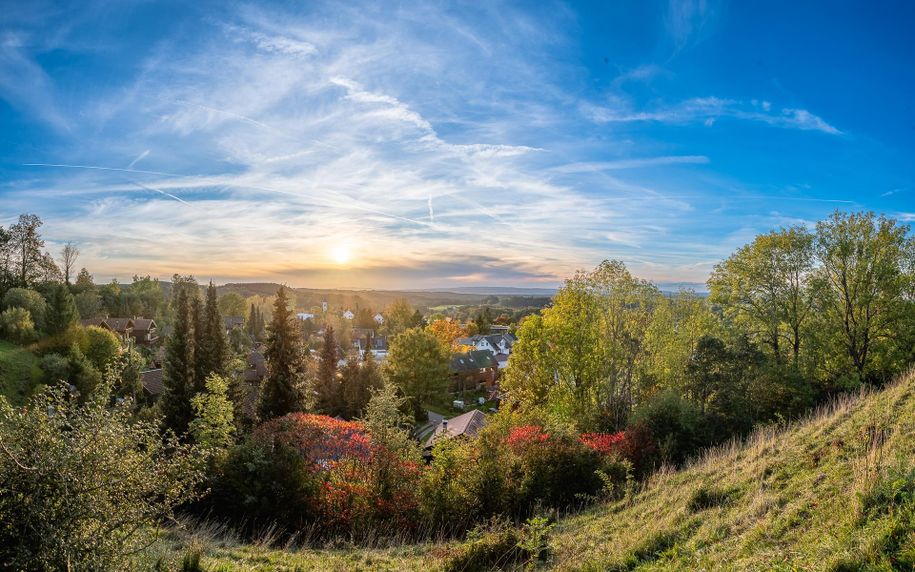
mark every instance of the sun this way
{"type": "Point", "coordinates": [340, 254]}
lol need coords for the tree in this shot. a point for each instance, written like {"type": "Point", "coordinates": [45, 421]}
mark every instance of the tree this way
{"type": "Point", "coordinates": [29, 300]}
{"type": "Point", "coordinates": [213, 426]}
{"type": "Point", "coordinates": [30, 265]}
{"type": "Point", "coordinates": [61, 313]}
{"type": "Point", "coordinates": [68, 256]}
{"type": "Point", "coordinates": [83, 281]}
{"type": "Point", "coordinates": [147, 292]}
{"type": "Point", "coordinates": [88, 304]}
{"type": "Point", "coordinates": [864, 283]}
{"type": "Point", "coordinates": [210, 347]}
{"type": "Point", "coordinates": [101, 347]}
{"type": "Point", "coordinates": [16, 325]}
{"type": "Point", "coordinates": [178, 369]}
{"type": "Point", "coordinates": [399, 317]}
{"type": "Point", "coordinates": [483, 320]}
{"type": "Point", "coordinates": [765, 288]}
{"type": "Point", "coordinates": [446, 331]}
{"type": "Point", "coordinates": [282, 388]}
{"type": "Point", "coordinates": [327, 385]}
{"type": "Point", "coordinates": [232, 305]}
{"type": "Point", "coordinates": [419, 366]}
{"type": "Point", "coordinates": [85, 484]}
{"type": "Point", "coordinates": [359, 380]}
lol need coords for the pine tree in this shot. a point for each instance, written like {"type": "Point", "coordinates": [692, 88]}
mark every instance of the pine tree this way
{"type": "Point", "coordinates": [327, 386]}
{"type": "Point", "coordinates": [61, 309]}
{"type": "Point", "coordinates": [282, 389]}
{"type": "Point", "coordinates": [178, 374]}
{"type": "Point", "coordinates": [196, 341]}
{"type": "Point", "coordinates": [251, 322]}
{"type": "Point", "coordinates": [360, 380]}
{"type": "Point", "coordinates": [210, 353]}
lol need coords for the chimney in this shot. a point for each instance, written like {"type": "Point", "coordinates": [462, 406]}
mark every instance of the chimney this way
{"type": "Point", "coordinates": [444, 426]}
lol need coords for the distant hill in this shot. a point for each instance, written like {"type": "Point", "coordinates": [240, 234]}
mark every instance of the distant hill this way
{"type": "Point", "coordinates": [835, 492]}
{"type": "Point", "coordinates": [374, 299]}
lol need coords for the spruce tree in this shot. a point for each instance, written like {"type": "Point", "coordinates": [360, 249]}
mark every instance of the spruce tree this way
{"type": "Point", "coordinates": [251, 322]}
{"type": "Point", "coordinates": [61, 309]}
{"type": "Point", "coordinates": [327, 387]}
{"type": "Point", "coordinates": [178, 374]}
{"type": "Point", "coordinates": [210, 353]}
{"type": "Point", "coordinates": [197, 342]}
{"type": "Point", "coordinates": [282, 388]}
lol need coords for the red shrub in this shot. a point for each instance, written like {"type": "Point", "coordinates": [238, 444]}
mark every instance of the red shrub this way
{"type": "Point", "coordinates": [603, 443]}
{"type": "Point", "coordinates": [525, 435]}
{"type": "Point", "coordinates": [320, 439]}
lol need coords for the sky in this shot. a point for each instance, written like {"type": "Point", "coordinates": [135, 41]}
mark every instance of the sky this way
{"type": "Point", "coordinates": [439, 144]}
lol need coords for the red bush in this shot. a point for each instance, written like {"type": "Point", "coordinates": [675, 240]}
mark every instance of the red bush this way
{"type": "Point", "coordinates": [320, 439]}
{"type": "Point", "coordinates": [603, 443]}
{"type": "Point", "coordinates": [525, 435]}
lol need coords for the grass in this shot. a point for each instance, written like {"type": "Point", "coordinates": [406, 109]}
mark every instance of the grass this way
{"type": "Point", "coordinates": [833, 492]}
{"type": "Point", "coordinates": [19, 372]}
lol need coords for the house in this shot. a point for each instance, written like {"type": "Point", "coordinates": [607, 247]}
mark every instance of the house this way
{"type": "Point", "coordinates": [465, 425]}
{"type": "Point", "coordinates": [142, 330]}
{"type": "Point", "coordinates": [305, 316]}
{"type": "Point", "coordinates": [495, 343]}
{"type": "Point", "coordinates": [232, 322]}
{"type": "Point", "coordinates": [379, 319]}
{"type": "Point", "coordinates": [498, 329]}
{"type": "Point", "coordinates": [348, 315]}
{"type": "Point", "coordinates": [378, 345]}
{"type": "Point", "coordinates": [152, 382]}
{"type": "Point", "coordinates": [475, 369]}
{"type": "Point", "coordinates": [502, 360]}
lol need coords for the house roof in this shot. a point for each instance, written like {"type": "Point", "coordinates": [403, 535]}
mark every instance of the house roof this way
{"type": "Point", "coordinates": [233, 321]}
{"type": "Point", "coordinates": [152, 381]}
{"type": "Point", "coordinates": [472, 361]}
{"type": "Point", "coordinates": [143, 324]}
{"type": "Point", "coordinates": [467, 424]}
{"type": "Point", "coordinates": [257, 367]}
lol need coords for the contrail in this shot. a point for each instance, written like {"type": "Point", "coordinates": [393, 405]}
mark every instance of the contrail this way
{"type": "Point", "coordinates": [431, 212]}
{"type": "Point", "coordinates": [138, 159]}
{"type": "Point", "coordinates": [97, 168]}
{"type": "Point", "coordinates": [160, 191]}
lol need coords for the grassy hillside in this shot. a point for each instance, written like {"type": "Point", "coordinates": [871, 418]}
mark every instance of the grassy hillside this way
{"type": "Point", "coordinates": [835, 492]}
{"type": "Point", "coordinates": [19, 372]}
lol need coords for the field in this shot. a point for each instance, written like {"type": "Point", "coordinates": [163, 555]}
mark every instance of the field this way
{"type": "Point", "coordinates": [834, 492]}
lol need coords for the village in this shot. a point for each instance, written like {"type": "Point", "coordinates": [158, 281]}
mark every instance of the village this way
{"type": "Point", "coordinates": [475, 365]}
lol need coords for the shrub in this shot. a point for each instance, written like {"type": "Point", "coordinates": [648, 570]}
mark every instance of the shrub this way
{"type": "Point", "coordinates": [56, 368]}
{"type": "Point", "coordinates": [492, 546]}
{"type": "Point", "coordinates": [16, 325]}
{"type": "Point", "coordinates": [83, 484]}
{"type": "Point", "coordinates": [102, 346]}
{"type": "Point", "coordinates": [27, 300]}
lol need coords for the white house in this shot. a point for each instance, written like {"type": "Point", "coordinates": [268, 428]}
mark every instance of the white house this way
{"type": "Point", "coordinates": [349, 315]}
{"type": "Point", "coordinates": [304, 316]}
{"type": "Point", "coordinates": [379, 319]}
{"type": "Point", "coordinates": [495, 344]}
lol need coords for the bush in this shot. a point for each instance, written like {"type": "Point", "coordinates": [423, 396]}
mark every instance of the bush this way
{"type": "Point", "coordinates": [27, 300]}
{"type": "Point", "coordinates": [102, 346]}
{"type": "Point", "coordinates": [675, 426]}
{"type": "Point", "coordinates": [16, 325]}
{"type": "Point", "coordinates": [303, 469]}
{"type": "Point", "coordinates": [84, 485]}
{"type": "Point", "coordinates": [56, 368]}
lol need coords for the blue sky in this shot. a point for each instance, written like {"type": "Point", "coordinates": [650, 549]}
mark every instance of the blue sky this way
{"type": "Point", "coordinates": [393, 145]}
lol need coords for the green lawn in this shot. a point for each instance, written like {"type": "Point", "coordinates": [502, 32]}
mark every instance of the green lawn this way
{"type": "Point", "coordinates": [19, 372]}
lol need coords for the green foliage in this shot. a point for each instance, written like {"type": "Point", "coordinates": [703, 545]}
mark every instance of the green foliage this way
{"type": "Point", "coordinates": [101, 346]}
{"type": "Point", "coordinates": [178, 374]}
{"type": "Point", "coordinates": [84, 486]}
{"type": "Point", "coordinates": [232, 305]}
{"type": "Point", "coordinates": [210, 346]}
{"type": "Point", "coordinates": [16, 325]}
{"type": "Point", "coordinates": [706, 497]}
{"type": "Point", "coordinates": [19, 372]}
{"type": "Point", "coordinates": [359, 379]}
{"type": "Point", "coordinates": [282, 390]}
{"type": "Point", "coordinates": [213, 426]}
{"type": "Point", "coordinates": [675, 425]}
{"type": "Point", "coordinates": [29, 300]}
{"type": "Point", "coordinates": [88, 304]}
{"type": "Point", "coordinates": [327, 386]}
{"type": "Point", "coordinates": [61, 308]}
{"type": "Point", "coordinates": [400, 317]}
{"type": "Point", "coordinates": [418, 365]}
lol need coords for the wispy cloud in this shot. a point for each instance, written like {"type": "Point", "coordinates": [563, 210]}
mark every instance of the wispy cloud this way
{"type": "Point", "coordinates": [707, 110]}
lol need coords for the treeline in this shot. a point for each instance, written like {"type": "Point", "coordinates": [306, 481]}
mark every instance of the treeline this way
{"type": "Point", "coordinates": [793, 317]}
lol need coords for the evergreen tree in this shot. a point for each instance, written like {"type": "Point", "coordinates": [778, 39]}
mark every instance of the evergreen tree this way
{"type": "Point", "coordinates": [210, 354]}
{"type": "Point", "coordinates": [196, 340]}
{"type": "Point", "coordinates": [327, 386]}
{"type": "Point", "coordinates": [61, 309]}
{"type": "Point", "coordinates": [360, 380]}
{"type": "Point", "coordinates": [251, 322]}
{"type": "Point", "coordinates": [281, 392]}
{"type": "Point", "coordinates": [178, 374]}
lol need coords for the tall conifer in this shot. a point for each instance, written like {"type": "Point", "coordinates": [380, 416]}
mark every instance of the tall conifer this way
{"type": "Point", "coordinates": [282, 390]}
{"type": "Point", "coordinates": [178, 374]}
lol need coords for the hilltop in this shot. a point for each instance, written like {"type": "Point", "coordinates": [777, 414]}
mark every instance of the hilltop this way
{"type": "Point", "coordinates": [835, 491]}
